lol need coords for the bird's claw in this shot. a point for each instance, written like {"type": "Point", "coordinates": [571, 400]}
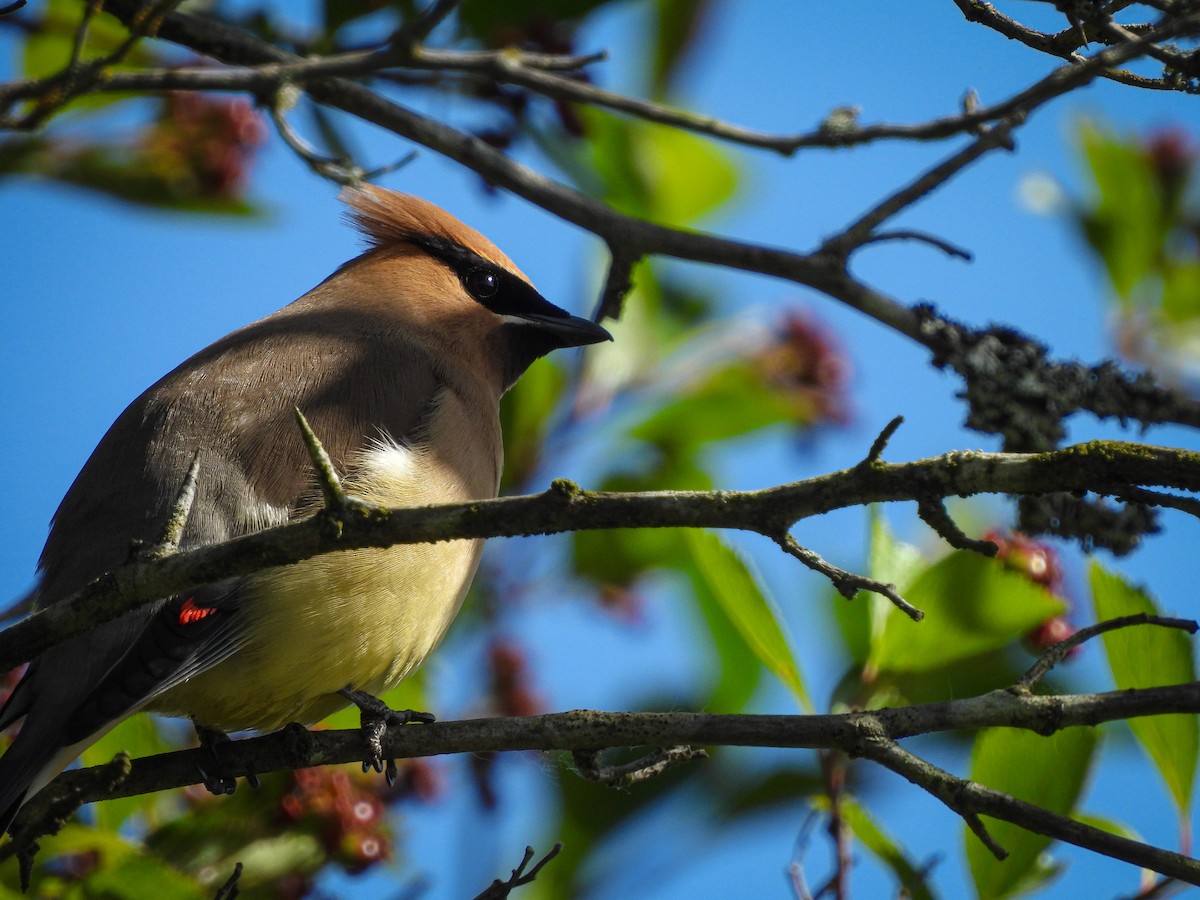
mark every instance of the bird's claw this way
{"type": "Point", "coordinates": [216, 782]}
{"type": "Point", "coordinates": [217, 785]}
{"type": "Point", "coordinates": [375, 717]}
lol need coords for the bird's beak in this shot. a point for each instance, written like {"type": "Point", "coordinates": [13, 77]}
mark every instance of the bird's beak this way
{"type": "Point", "coordinates": [567, 330]}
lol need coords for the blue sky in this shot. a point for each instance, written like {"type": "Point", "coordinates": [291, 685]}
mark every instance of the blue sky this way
{"type": "Point", "coordinates": [97, 300]}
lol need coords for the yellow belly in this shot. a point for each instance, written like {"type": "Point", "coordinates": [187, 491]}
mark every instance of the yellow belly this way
{"type": "Point", "coordinates": [355, 619]}
{"type": "Point", "coordinates": [361, 619]}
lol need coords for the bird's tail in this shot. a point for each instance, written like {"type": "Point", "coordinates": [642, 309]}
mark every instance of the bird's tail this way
{"type": "Point", "coordinates": [34, 758]}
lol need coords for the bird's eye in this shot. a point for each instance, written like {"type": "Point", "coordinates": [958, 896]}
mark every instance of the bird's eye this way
{"type": "Point", "coordinates": [481, 284]}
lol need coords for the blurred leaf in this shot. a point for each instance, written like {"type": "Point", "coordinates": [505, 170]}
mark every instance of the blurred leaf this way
{"type": "Point", "coordinates": [648, 170]}
{"type": "Point", "coordinates": [129, 178]}
{"type": "Point", "coordinates": [47, 48]}
{"type": "Point", "coordinates": [143, 876]}
{"type": "Point", "coordinates": [739, 669]}
{"type": "Point", "coordinates": [1149, 656]}
{"type": "Point", "coordinates": [884, 847]}
{"type": "Point", "coordinates": [525, 419]}
{"type": "Point", "coordinates": [1110, 825]}
{"type": "Point", "coordinates": [1048, 771]}
{"type": "Point", "coordinates": [659, 318]}
{"type": "Point", "coordinates": [750, 611]}
{"type": "Point", "coordinates": [751, 792]}
{"type": "Point", "coordinates": [21, 153]}
{"type": "Point", "coordinates": [1181, 292]}
{"type": "Point", "coordinates": [972, 604]}
{"type": "Point", "coordinates": [730, 402]}
{"type": "Point", "coordinates": [591, 812]}
{"type": "Point", "coordinates": [116, 869]}
{"type": "Point", "coordinates": [491, 21]}
{"type": "Point", "coordinates": [337, 13]}
{"type": "Point", "coordinates": [1126, 225]}
{"type": "Point", "coordinates": [678, 22]}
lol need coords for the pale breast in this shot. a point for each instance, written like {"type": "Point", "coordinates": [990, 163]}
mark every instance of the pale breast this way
{"type": "Point", "coordinates": [364, 618]}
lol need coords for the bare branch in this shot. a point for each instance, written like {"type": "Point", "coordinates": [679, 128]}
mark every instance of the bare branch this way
{"type": "Point", "coordinates": [970, 800]}
{"type": "Point", "coordinates": [861, 231]}
{"type": "Point", "coordinates": [327, 476]}
{"type": "Point", "coordinates": [847, 583]}
{"type": "Point", "coordinates": [905, 234]}
{"type": "Point", "coordinates": [1092, 466]}
{"type": "Point", "coordinates": [181, 510]}
{"type": "Point", "coordinates": [867, 734]}
{"type": "Point", "coordinates": [1058, 652]}
{"type": "Point", "coordinates": [933, 513]}
{"type": "Point", "coordinates": [880, 443]}
{"type": "Point", "coordinates": [498, 889]}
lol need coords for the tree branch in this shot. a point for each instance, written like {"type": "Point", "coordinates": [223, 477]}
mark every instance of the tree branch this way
{"type": "Point", "coordinates": [1093, 466]}
{"type": "Point", "coordinates": [866, 734]}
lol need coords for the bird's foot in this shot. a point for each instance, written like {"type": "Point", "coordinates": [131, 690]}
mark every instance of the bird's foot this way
{"type": "Point", "coordinates": [375, 717]}
{"type": "Point", "coordinates": [216, 781]}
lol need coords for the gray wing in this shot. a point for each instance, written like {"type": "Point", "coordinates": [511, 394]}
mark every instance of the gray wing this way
{"type": "Point", "coordinates": [232, 404]}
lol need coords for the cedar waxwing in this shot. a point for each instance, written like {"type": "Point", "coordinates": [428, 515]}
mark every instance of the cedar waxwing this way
{"type": "Point", "coordinates": [398, 360]}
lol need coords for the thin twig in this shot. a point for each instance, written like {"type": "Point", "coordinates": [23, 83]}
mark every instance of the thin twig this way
{"type": "Point", "coordinates": [89, 12]}
{"type": "Point", "coordinates": [847, 583]}
{"type": "Point", "coordinates": [1129, 492]}
{"type": "Point", "coordinates": [881, 441]}
{"type": "Point", "coordinates": [617, 283]}
{"type": "Point", "coordinates": [1056, 653]}
{"type": "Point", "coordinates": [327, 476]}
{"type": "Point", "coordinates": [1063, 44]}
{"type": "Point", "coordinates": [59, 809]}
{"type": "Point", "coordinates": [229, 890]}
{"type": "Point", "coordinates": [922, 237]}
{"type": "Point", "coordinates": [862, 230]}
{"type": "Point", "coordinates": [858, 734]}
{"type": "Point", "coordinates": [181, 510]}
{"type": "Point", "coordinates": [414, 32]}
{"type": "Point", "coordinates": [338, 170]}
{"type": "Point", "coordinates": [932, 511]}
{"type": "Point", "coordinates": [498, 889]}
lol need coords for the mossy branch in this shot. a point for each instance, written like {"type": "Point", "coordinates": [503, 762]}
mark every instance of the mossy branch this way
{"type": "Point", "coordinates": [1093, 466]}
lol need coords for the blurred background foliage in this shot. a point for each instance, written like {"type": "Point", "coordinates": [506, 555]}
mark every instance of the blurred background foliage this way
{"type": "Point", "coordinates": [682, 381]}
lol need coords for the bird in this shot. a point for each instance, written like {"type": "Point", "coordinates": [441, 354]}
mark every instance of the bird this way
{"type": "Point", "coordinates": [398, 360]}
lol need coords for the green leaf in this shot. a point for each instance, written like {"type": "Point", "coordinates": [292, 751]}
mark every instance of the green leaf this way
{"type": "Point", "coordinates": [47, 48]}
{"type": "Point", "coordinates": [731, 401]}
{"type": "Point", "coordinates": [1048, 771]}
{"type": "Point", "coordinates": [884, 847]}
{"type": "Point", "coordinates": [488, 19]}
{"type": "Point", "coordinates": [972, 604]}
{"type": "Point", "coordinates": [739, 669]}
{"type": "Point", "coordinates": [121, 869]}
{"type": "Point", "coordinates": [649, 170]}
{"type": "Point", "coordinates": [1150, 656]}
{"type": "Point", "coordinates": [525, 418]}
{"type": "Point", "coordinates": [1127, 224]}
{"type": "Point", "coordinates": [1181, 293]}
{"type": "Point", "coordinates": [747, 606]}
{"type": "Point", "coordinates": [678, 23]}
{"type": "Point", "coordinates": [1110, 825]}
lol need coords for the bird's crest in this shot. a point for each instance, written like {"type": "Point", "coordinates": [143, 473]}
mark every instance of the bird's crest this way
{"type": "Point", "coordinates": [387, 217]}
